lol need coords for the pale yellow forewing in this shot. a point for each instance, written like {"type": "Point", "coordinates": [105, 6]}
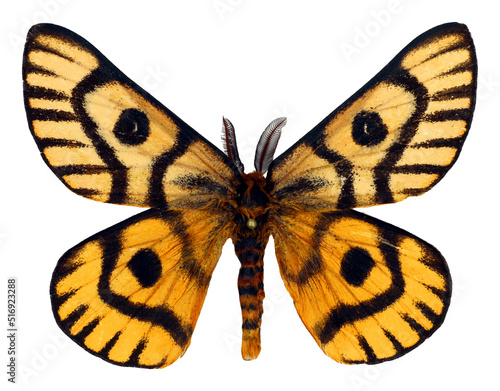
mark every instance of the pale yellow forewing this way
{"type": "Point", "coordinates": [366, 291]}
{"type": "Point", "coordinates": [396, 137]}
{"type": "Point", "coordinates": [106, 138]}
{"type": "Point", "coordinates": [132, 294]}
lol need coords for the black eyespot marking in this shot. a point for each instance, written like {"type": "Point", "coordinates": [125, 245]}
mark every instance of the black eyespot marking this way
{"type": "Point", "coordinates": [356, 265]}
{"type": "Point", "coordinates": [368, 129]}
{"type": "Point", "coordinates": [146, 267]}
{"type": "Point", "coordinates": [132, 127]}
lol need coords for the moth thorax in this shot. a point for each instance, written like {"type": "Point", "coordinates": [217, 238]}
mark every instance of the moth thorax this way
{"type": "Point", "coordinates": [253, 193]}
{"type": "Point", "coordinates": [253, 200]}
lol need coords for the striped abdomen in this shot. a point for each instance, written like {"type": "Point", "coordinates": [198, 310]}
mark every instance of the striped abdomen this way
{"type": "Point", "coordinates": [251, 290]}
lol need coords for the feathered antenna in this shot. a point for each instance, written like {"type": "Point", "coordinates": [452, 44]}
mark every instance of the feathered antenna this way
{"type": "Point", "coordinates": [229, 144]}
{"type": "Point", "coordinates": [267, 144]}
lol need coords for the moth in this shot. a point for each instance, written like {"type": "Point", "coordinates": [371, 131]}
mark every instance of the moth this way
{"type": "Point", "coordinates": [367, 291]}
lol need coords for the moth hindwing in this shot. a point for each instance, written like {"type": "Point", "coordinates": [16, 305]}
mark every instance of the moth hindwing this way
{"type": "Point", "coordinates": [366, 291]}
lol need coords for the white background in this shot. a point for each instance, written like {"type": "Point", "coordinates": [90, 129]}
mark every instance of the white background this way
{"type": "Point", "coordinates": [252, 61]}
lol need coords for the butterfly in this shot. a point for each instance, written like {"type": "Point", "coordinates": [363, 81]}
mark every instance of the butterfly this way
{"type": "Point", "coordinates": [366, 290]}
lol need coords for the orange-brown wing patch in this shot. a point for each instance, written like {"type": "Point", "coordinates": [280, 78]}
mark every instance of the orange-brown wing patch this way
{"type": "Point", "coordinates": [366, 291]}
{"type": "Point", "coordinates": [394, 138]}
{"type": "Point", "coordinates": [106, 138]}
{"type": "Point", "coordinates": [132, 294]}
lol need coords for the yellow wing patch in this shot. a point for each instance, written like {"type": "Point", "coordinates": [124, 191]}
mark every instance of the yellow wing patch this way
{"type": "Point", "coordinates": [365, 290]}
{"type": "Point", "coordinates": [105, 137]}
{"type": "Point", "coordinates": [132, 293]}
{"type": "Point", "coordinates": [394, 138]}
